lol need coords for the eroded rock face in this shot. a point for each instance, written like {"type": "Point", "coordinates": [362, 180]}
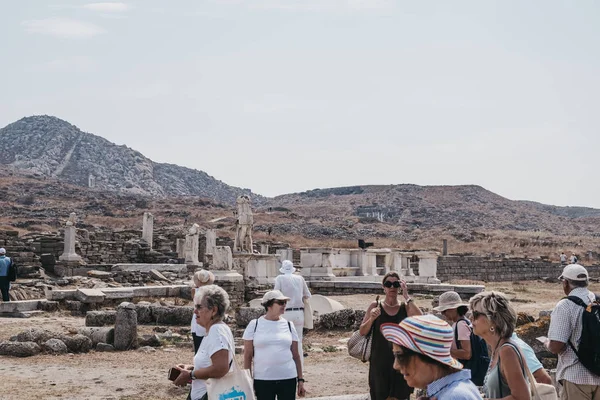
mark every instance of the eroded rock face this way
{"type": "Point", "coordinates": [55, 346]}
{"type": "Point", "coordinates": [149, 340]}
{"type": "Point", "coordinates": [99, 334]}
{"type": "Point", "coordinates": [244, 315]}
{"type": "Point", "coordinates": [19, 349]}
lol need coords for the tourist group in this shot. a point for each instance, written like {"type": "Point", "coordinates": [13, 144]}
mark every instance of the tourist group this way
{"type": "Point", "coordinates": [470, 352]}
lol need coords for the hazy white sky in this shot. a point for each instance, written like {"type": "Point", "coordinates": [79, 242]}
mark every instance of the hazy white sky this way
{"type": "Point", "coordinates": [288, 95]}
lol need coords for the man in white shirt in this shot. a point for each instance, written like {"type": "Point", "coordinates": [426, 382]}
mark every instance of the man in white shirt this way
{"type": "Point", "coordinates": [293, 286]}
{"type": "Point", "coordinates": [564, 334]}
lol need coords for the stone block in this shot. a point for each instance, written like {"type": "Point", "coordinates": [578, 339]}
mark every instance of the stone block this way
{"type": "Point", "coordinates": [77, 343]}
{"type": "Point", "coordinates": [99, 274]}
{"type": "Point", "coordinates": [19, 349]}
{"type": "Point", "coordinates": [59, 294]}
{"type": "Point", "coordinates": [19, 306]}
{"type": "Point", "coordinates": [55, 346]}
{"type": "Point", "coordinates": [104, 347]}
{"type": "Point", "coordinates": [155, 274]}
{"type": "Point", "coordinates": [89, 295]}
{"type": "Point", "coordinates": [180, 316]}
{"type": "Point", "coordinates": [126, 327]}
{"type": "Point", "coordinates": [117, 293]}
{"type": "Point", "coordinates": [244, 315]}
{"type": "Point", "coordinates": [98, 334]}
{"type": "Point", "coordinates": [176, 268]}
{"type": "Point", "coordinates": [100, 318]}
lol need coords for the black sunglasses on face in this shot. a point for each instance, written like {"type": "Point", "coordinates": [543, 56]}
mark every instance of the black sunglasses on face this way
{"type": "Point", "coordinates": [280, 302]}
{"type": "Point", "coordinates": [403, 357]}
{"type": "Point", "coordinates": [389, 284]}
{"type": "Point", "coordinates": [476, 314]}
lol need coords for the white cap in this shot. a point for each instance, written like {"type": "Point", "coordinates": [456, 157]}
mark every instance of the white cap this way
{"type": "Point", "coordinates": [2, 250]}
{"type": "Point", "coordinates": [273, 295]}
{"type": "Point", "coordinates": [574, 272]}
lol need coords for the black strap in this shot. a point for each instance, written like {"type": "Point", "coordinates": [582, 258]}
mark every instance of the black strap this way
{"type": "Point", "coordinates": [458, 345]}
{"type": "Point", "coordinates": [289, 326]}
{"type": "Point", "coordinates": [577, 301]}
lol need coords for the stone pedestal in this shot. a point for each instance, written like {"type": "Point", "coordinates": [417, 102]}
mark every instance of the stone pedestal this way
{"type": "Point", "coordinates": [285, 254]}
{"type": "Point", "coordinates": [180, 243]}
{"type": "Point", "coordinates": [211, 240]}
{"type": "Point", "coordinates": [264, 249]}
{"type": "Point", "coordinates": [222, 259]}
{"type": "Point", "coordinates": [316, 263]}
{"type": "Point", "coordinates": [148, 228]}
{"type": "Point", "coordinates": [69, 253]}
{"type": "Point", "coordinates": [427, 267]}
{"type": "Point", "coordinates": [191, 249]}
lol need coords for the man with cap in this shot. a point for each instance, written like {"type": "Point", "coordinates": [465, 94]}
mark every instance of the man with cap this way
{"type": "Point", "coordinates": [564, 333]}
{"type": "Point", "coordinates": [5, 264]}
{"type": "Point", "coordinates": [293, 286]}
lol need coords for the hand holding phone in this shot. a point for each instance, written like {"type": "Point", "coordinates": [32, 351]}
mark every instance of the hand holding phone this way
{"type": "Point", "coordinates": [173, 374]}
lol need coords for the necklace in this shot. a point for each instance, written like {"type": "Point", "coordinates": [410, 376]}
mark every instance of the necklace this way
{"type": "Point", "coordinates": [389, 305]}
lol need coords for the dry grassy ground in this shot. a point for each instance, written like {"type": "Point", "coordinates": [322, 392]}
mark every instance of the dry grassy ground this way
{"type": "Point", "coordinates": [136, 375]}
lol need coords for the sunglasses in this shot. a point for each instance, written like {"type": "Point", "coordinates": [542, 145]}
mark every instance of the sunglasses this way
{"type": "Point", "coordinates": [280, 302]}
{"type": "Point", "coordinates": [200, 306]}
{"type": "Point", "coordinates": [389, 284]}
{"type": "Point", "coordinates": [403, 357]}
{"type": "Point", "coordinates": [477, 314]}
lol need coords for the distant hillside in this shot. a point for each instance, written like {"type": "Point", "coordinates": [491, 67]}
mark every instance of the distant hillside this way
{"type": "Point", "coordinates": [51, 147]}
{"type": "Point", "coordinates": [453, 208]}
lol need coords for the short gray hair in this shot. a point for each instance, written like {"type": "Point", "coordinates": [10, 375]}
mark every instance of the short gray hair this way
{"type": "Point", "coordinates": [577, 284]}
{"type": "Point", "coordinates": [497, 308]}
{"type": "Point", "coordinates": [213, 296]}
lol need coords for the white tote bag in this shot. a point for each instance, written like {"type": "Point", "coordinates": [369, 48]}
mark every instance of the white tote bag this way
{"type": "Point", "coordinates": [237, 384]}
{"type": "Point", "coordinates": [308, 315]}
{"type": "Point", "coordinates": [541, 391]}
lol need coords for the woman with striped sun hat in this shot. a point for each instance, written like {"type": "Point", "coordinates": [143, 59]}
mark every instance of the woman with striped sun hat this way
{"type": "Point", "coordinates": [421, 346]}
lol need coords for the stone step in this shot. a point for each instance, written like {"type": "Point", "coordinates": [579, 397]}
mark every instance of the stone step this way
{"type": "Point", "coordinates": [20, 306]}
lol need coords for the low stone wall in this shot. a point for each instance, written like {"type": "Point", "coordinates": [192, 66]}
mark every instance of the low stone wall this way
{"type": "Point", "coordinates": [506, 269]}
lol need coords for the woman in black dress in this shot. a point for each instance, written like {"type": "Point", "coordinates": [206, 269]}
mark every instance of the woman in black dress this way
{"type": "Point", "coordinates": [384, 382]}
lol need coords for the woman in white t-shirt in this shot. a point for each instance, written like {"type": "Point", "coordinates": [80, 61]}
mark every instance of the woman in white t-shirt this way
{"type": "Point", "coordinates": [200, 278]}
{"type": "Point", "coordinates": [272, 342]}
{"type": "Point", "coordinates": [214, 357]}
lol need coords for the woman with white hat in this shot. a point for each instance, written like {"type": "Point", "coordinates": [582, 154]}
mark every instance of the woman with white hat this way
{"type": "Point", "coordinates": [200, 278]}
{"type": "Point", "coordinates": [453, 309]}
{"type": "Point", "coordinates": [272, 343]}
{"type": "Point", "coordinates": [293, 286]}
{"type": "Point", "coordinates": [421, 347]}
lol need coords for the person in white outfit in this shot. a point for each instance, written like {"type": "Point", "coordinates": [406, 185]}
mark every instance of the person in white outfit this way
{"type": "Point", "coordinates": [200, 278]}
{"type": "Point", "coordinates": [293, 286]}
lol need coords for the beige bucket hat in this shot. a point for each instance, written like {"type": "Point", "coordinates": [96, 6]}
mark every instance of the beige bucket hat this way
{"type": "Point", "coordinates": [450, 300]}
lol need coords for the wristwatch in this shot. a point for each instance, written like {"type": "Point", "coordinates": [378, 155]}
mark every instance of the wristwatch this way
{"type": "Point", "coordinates": [409, 300]}
{"type": "Point", "coordinates": [192, 377]}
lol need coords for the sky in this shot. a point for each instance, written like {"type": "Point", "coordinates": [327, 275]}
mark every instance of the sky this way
{"type": "Point", "coordinates": [283, 96]}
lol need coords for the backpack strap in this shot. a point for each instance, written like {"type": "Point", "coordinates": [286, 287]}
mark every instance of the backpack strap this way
{"type": "Point", "coordinates": [458, 345]}
{"type": "Point", "coordinates": [578, 301]}
{"type": "Point", "coordinates": [289, 326]}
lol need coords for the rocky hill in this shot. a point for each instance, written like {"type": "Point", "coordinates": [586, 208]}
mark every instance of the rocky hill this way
{"type": "Point", "coordinates": [50, 147]}
{"type": "Point", "coordinates": [403, 208]}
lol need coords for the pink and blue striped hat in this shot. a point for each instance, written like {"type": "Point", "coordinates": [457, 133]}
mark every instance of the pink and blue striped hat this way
{"type": "Point", "coordinates": [425, 334]}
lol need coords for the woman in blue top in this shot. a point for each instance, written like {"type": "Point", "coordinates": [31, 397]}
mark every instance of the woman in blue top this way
{"type": "Point", "coordinates": [421, 346]}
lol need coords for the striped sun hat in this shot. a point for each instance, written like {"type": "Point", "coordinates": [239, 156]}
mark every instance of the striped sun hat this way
{"type": "Point", "coordinates": [425, 334]}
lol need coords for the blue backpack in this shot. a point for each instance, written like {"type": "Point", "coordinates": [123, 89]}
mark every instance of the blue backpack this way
{"type": "Point", "coordinates": [480, 359]}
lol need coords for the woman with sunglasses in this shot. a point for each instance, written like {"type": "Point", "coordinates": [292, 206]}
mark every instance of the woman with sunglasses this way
{"type": "Point", "coordinates": [421, 348]}
{"type": "Point", "coordinates": [384, 382]}
{"type": "Point", "coordinates": [494, 319]}
{"type": "Point", "coordinates": [215, 354]}
{"type": "Point", "coordinates": [272, 342]}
